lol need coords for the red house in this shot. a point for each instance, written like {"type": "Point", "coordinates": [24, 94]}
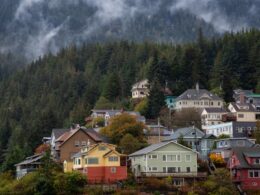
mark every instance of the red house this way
{"type": "Point", "coordinates": [245, 166]}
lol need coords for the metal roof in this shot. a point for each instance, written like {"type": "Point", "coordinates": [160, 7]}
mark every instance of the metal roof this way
{"type": "Point", "coordinates": [197, 94]}
{"type": "Point", "coordinates": [154, 147]}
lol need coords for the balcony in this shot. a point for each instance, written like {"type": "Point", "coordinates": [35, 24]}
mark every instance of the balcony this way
{"type": "Point", "coordinates": [180, 174]}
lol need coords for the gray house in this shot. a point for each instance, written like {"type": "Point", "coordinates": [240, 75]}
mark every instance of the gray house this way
{"type": "Point", "coordinates": [195, 138]}
{"type": "Point", "coordinates": [165, 159]}
{"type": "Point", "coordinates": [224, 146]}
{"type": "Point", "coordinates": [30, 164]}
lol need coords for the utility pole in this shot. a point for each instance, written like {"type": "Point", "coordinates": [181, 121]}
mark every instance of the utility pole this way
{"type": "Point", "coordinates": [159, 133]}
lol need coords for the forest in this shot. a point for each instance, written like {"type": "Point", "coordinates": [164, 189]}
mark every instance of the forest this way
{"type": "Point", "coordinates": [58, 90]}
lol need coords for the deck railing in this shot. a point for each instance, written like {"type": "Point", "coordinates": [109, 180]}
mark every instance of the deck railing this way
{"type": "Point", "coordinates": [180, 174]}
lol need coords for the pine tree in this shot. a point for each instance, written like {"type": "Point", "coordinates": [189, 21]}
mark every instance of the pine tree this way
{"type": "Point", "coordinates": [155, 100]}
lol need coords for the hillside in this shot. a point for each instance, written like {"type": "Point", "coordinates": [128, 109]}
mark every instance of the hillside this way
{"type": "Point", "coordinates": [33, 28]}
{"type": "Point", "coordinates": [61, 89]}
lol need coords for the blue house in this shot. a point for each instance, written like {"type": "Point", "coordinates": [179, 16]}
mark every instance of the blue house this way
{"type": "Point", "coordinates": [170, 101]}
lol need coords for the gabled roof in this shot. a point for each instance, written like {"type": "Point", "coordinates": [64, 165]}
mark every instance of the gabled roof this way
{"type": "Point", "coordinates": [137, 85]}
{"type": "Point", "coordinates": [197, 94]}
{"type": "Point", "coordinates": [185, 132]}
{"type": "Point", "coordinates": [154, 147]}
{"type": "Point", "coordinates": [31, 160]}
{"type": "Point", "coordinates": [244, 107]}
{"type": "Point", "coordinates": [91, 132]}
{"type": "Point", "coordinates": [242, 152]}
{"type": "Point", "coordinates": [58, 132]}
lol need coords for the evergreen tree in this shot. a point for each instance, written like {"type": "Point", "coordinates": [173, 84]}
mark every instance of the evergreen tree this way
{"type": "Point", "coordinates": [155, 100]}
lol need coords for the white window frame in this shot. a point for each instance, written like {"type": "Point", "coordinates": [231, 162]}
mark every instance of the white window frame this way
{"type": "Point", "coordinates": [151, 156]}
{"type": "Point", "coordinates": [113, 170]}
{"type": "Point", "coordinates": [176, 155]}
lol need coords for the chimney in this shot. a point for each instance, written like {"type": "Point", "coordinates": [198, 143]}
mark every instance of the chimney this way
{"type": "Point", "coordinates": [197, 87]}
{"type": "Point", "coordinates": [242, 98]}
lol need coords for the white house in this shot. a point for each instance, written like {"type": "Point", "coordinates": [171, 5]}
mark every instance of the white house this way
{"type": "Point", "coordinates": [140, 89]}
{"type": "Point", "coordinates": [199, 99]}
{"type": "Point", "coordinates": [212, 116]}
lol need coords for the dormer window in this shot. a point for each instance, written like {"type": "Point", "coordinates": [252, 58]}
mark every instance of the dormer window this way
{"type": "Point", "coordinates": [257, 161]}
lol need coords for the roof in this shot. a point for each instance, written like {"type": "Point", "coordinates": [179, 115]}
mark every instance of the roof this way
{"type": "Point", "coordinates": [197, 94]}
{"type": "Point", "coordinates": [209, 136]}
{"type": "Point", "coordinates": [254, 95]}
{"type": "Point", "coordinates": [239, 91]}
{"type": "Point", "coordinates": [244, 107]}
{"type": "Point", "coordinates": [215, 110]}
{"type": "Point", "coordinates": [91, 132]}
{"type": "Point", "coordinates": [31, 160]}
{"type": "Point", "coordinates": [184, 131]}
{"type": "Point", "coordinates": [137, 84]}
{"type": "Point", "coordinates": [154, 147]}
{"type": "Point", "coordinates": [242, 152]}
{"type": "Point", "coordinates": [58, 132]}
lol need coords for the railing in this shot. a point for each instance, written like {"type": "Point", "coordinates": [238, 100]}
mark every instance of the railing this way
{"type": "Point", "coordinates": [180, 174]}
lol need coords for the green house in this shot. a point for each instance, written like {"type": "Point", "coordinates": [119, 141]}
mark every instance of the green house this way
{"type": "Point", "coordinates": [164, 159]}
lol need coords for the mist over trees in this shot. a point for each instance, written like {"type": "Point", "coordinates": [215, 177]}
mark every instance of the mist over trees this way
{"type": "Point", "coordinates": [56, 90]}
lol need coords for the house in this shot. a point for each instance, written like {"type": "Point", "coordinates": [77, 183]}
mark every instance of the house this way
{"type": "Point", "coordinates": [232, 129]}
{"type": "Point", "coordinates": [165, 159]}
{"type": "Point", "coordinates": [199, 99]}
{"type": "Point", "coordinates": [140, 89]}
{"type": "Point", "coordinates": [224, 146]}
{"type": "Point", "coordinates": [239, 95]}
{"type": "Point", "coordinates": [156, 133]}
{"type": "Point", "coordinates": [29, 165]}
{"type": "Point", "coordinates": [108, 114]}
{"type": "Point", "coordinates": [101, 163]}
{"type": "Point", "coordinates": [245, 167]}
{"type": "Point", "coordinates": [244, 112]}
{"type": "Point", "coordinates": [55, 134]}
{"type": "Point", "coordinates": [212, 116]}
{"type": "Point", "coordinates": [195, 138]}
{"type": "Point", "coordinates": [247, 96]}
{"type": "Point", "coordinates": [70, 143]}
{"type": "Point", "coordinates": [170, 101]}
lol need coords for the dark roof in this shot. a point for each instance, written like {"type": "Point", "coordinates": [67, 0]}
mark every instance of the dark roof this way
{"type": "Point", "coordinates": [209, 136]}
{"type": "Point", "coordinates": [215, 110]}
{"type": "Point", "coordinates": [197, 94]}
{"type": "Point", "coordinates": [239, 91]}
{"type": "Point", "coordinates": [245, 107]}
{"type": "Point", "coordinates": [242, 152]}
{"type": "Point", "coordinates": [58, 132]}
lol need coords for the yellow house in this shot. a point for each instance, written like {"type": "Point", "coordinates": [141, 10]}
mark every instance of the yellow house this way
{"type": "Point", "coordinates": [101, 163]}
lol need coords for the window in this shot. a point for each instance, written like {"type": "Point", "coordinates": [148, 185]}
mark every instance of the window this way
{"type": "Point", "coordinates": [219, 103]}
{"type": "Point", "coordinates": [240, 115]}
{"type": "Point", "coordinates": [83, 143]}
{"type": "Point", "coordinates": [164, 157]}
{"type": "Point", "coordinates": [92, 161]}
{"type": "Point", "coordinates": [240, 130]}
{"type": "Point", "coordinates": [102, 148]}
{"type": "Point", "coordinates": [257, 161]}
{"type": "Point", "coordinates": [153, 169]}
{"type": "Point", "coordinates": [164, 169]}
{"type": "Point", "coordinates": [254, 174]}
{"type": "Point", "coordinates": [188, 169]}
{"type": "Point", "coordinates": [113, 158]}
{"type": "Point", "coordinates": [113, 169]}
{"type": "Point", "coordinates": [211, 103]}
{"type": "Point", "coordinates": [76, 143]}
{"type": "Point", "coordinates": [79, 161]}
{"type": "Point", "coordinates": [174, 158]}
{"type": "Point", "coordinates": [187, 158]}
{"type": "Point", "coordinates": [174, 169]}
{"type": "Point", "coordinates": [153, 156]}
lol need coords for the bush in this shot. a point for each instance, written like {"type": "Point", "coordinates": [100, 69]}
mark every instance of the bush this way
{"type": "Point", "coordinates": [153, 184]}
{"type": "Point", "coordinates": [69, 183]}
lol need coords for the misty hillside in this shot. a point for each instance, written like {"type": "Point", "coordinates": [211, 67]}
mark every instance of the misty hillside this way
{"type": "Point", "coordinates": [61, 89]}
{"type": "Point", "coordinates": [35, 27]}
